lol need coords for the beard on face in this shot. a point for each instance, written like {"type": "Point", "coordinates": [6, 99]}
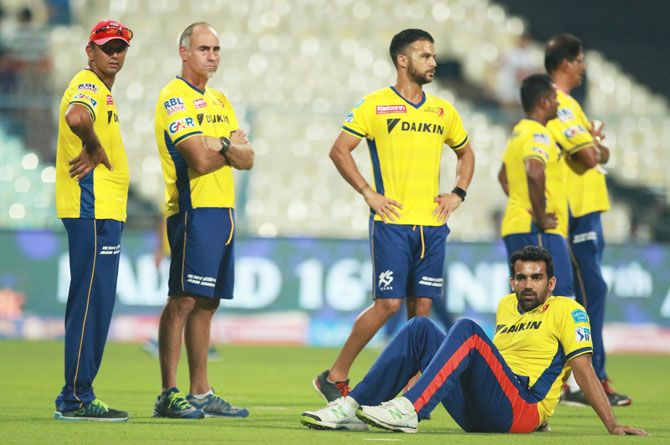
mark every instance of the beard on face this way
{"type": "Point", "coordinates": [419, 77]}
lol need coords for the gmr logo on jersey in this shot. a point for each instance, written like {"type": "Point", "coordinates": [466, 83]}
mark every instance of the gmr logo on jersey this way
{"type": "Point", "coordinates": [385, 280]}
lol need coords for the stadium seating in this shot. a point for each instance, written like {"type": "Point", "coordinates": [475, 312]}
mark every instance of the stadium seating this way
{"type": "Point", "coordinates": [293, 69]}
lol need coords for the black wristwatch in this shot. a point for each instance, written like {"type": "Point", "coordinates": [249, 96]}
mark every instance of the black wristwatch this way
{"type": "Point", "coordinates": [225, 145]}
{"type": "Point", "coordinates": [460, 192]}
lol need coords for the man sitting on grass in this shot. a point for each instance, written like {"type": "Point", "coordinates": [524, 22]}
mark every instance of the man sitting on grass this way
{"type": "Point", "coordinates": [509, 385]}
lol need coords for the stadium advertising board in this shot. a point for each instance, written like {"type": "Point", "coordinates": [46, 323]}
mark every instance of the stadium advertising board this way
{"type": "Point", "coordinates": [308, 291]}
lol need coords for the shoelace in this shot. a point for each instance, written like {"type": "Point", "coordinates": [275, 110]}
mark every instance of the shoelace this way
{"type": "Point", "coordinates": [98, 407]}
{"type": "Point", "coordinates": [178, 401]}
{"type": "Point", "coordinates": [218, 399]}
{"type": "Point", "coordinates": [343, 388]}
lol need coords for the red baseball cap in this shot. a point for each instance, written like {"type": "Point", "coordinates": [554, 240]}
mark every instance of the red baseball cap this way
{"type": "Point", "coordinates": [106, 30]}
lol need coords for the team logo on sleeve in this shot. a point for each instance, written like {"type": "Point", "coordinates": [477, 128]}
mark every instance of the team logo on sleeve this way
{"type": "Point", "coordinates": [583, 334]}
{"type": "Point", "coordinates": [541, 152]}
{"type": "Point", "coordinates": [177, 126]}
{"type": "Point", "coordinates": [390, 109]}
{"type": "Point", "coordinates": [87, 87]}
{"type": "Point", "coordinates": [174, 105]}
{"type": "Point", "coordinates": [436, 110]}
{"type": "Point", "coordinates": [385, 280]}
{"type": "Point", "coordinates": [574, 131]}
{"type": "Point", "coordinates": [200, 103]}
{"type": "Point", "coordinates": [579, 316]}
{"type": "Point", "coordinates": [86, 98]}
{"type": "Point", "coordinates": [349, 118]}
{"type": "Point", "coordinates": [565, 114]}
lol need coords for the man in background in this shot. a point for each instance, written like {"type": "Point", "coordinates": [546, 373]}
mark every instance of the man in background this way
{"type": "Point", "coordinates": [584, 153]}
{"type": "Point", "coordinates": [533, 176]}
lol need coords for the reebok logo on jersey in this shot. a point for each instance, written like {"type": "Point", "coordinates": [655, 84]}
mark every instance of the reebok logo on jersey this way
{"type": "Point", "coordinates": [110, 100]}
{"type": "Point", "coordinates": [518, 327]}
{"type": "Point", "coordinates": [179, 125]}
{"type": "Point", "coordinates": [390, 109]}
{"type": "Point", "coordinates": [199, 103]}
{"type": "Point", "coordinates": [583, 334]}
{"type": "Point", "coordinates": [385, 280]}
{"type": "Point", "coordinates": [416, 127]}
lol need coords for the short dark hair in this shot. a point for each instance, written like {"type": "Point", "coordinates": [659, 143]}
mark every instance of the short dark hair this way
{"type": "Point", "coordinates": [405, 38]}
{"type": "Point", "coordinates": [533, 88]}
{"type": "Point", "coordinates": [559, 48]}
{"type": "Point", "coordinates": [533, 253]}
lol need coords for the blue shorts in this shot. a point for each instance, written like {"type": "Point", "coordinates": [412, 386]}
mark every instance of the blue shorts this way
{"type": "Point", "coordinates": [202, 244]}
{"type": "Point", "coordinates": [408, 261]}
{"type": "Point", "coordinates": [557, 247]}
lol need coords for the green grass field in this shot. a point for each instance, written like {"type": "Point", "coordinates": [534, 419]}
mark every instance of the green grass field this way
{"type": "Point", "coordinates": [274, 383]}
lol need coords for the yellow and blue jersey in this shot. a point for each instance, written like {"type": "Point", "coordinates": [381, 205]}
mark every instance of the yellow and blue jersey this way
{"type": "Point", "coordinates": [531, 140]}
{"type": "Point", "coordinates": [406, 142]}
{"type": "Point", "coordinates": [101, 194]}
{"type": "Point", "coordinates": [184, 111]}
{"type": "Point", "coordinates": [587, 189]}
{"type": "Point", "coordinates": [538, 344]}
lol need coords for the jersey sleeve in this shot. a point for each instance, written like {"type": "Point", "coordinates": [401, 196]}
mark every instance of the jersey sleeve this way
{"type": "Point", "coordinates": [177, 119]}
{"type": "Point", "coordinates": [574, 330]}
{"type": "Point", "coordinates": [87, 94]}
{"type": "Point", "coordinates": [571, 128]}
{"type": "Point", "coordinates": [537, 147]}
{"type": "Point", "coordinates": [455, 135]}
{"type": "Point", "coordinates": [358, 121]}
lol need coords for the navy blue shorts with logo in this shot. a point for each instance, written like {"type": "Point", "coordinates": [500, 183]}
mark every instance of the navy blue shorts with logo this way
{"type": "Point", "coordinates": [202, 244]}
{"type": "Point", "coordinates": [407, 261]}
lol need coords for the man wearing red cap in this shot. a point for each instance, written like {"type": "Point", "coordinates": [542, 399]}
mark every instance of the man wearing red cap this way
{"type": "Point", "coordinates": [91, 194]}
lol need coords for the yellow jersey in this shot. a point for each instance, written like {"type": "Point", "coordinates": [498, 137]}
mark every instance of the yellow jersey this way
{"type": "Point", "coordinates": [587, 189]}
{"type": "Point", "coordinates": [405, 142]}
{"type": "Point", "coordinates": [184, 111]}
{"type": "Point", "coordinates": [531, 140]}
{"type": "Point", "coordinates": [102, 194]}
{"type": "Point", "coordinates": [538, 344]}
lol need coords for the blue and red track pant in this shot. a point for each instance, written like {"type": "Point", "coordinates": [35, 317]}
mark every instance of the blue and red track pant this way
{"type": "Point", "coordinates": [94, 246]}
{"type": "Point", "coordinates": [463, 370]}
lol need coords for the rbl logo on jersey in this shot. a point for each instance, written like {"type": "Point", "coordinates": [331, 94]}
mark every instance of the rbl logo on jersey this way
{"type": "Point", "coordinates": [173, 105]}
{"type": "Point", "coordinates": [181, 124]}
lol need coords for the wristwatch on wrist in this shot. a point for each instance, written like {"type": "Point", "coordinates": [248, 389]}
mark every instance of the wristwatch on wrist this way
{"type": "Point", "coordinates": [459, 192]}
{"type": "Point", "coordinates": [225, 145]}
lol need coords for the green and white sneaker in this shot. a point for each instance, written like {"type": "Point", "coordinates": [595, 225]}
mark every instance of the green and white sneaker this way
{"type": "Point", "coordinates": [340, 414]}
{"type": "Point", "coordinates": [215, 406]}
{"type": "Point", "coordinates": [394, 415]}
{"type": "Point", "coordinates": [172, 404]}
{"type": "Point", "coordinates": [93, 411]}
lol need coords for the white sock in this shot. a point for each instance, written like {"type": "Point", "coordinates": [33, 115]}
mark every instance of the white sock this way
{"type": "Point", "coordinates": [203, 396]}
{"type": "Point", "coordinates": [572, 383]}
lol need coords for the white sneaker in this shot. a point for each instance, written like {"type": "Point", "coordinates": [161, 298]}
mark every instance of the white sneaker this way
{"type": "Point", "coordinates": [340, 414]}
{"type": "Point", "coordinates": [395, 415]}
